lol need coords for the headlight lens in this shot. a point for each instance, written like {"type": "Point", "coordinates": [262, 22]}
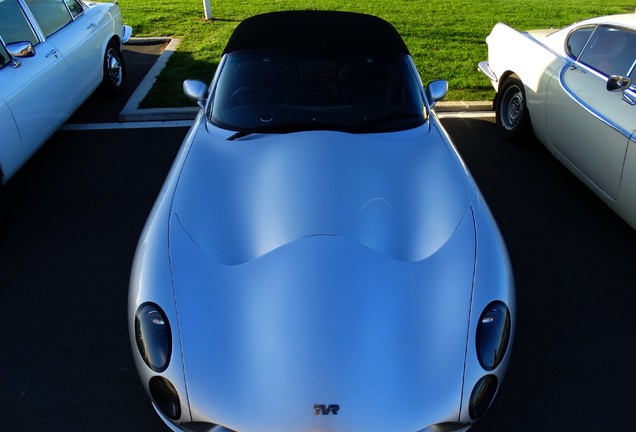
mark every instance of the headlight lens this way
{"type": "Point", "coordinates": [203, 427]}
{"type": "Point", "coordinates": [493, 335]}
{"type": "Point", "coordinates": [447, 427]}
{"type": "Point", "coordinates": [154, 339]}
{"type": "Point", "coordinates": [482, 396]}
{"type": "Point", "coordinates": [165, 396]}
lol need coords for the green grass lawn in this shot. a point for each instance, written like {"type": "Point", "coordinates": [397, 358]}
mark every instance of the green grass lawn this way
{"type": "Point", "coordinates": [445, 37]}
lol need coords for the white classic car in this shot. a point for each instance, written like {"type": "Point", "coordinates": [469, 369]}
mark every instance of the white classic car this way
{"type": "Point", "coordinates": [53, 55]}
{"type": "Point", "coordinates": [574, 88]}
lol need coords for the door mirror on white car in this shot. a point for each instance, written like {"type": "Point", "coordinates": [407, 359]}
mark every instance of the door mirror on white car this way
{"type": "Point", "coordinates": [618, 83]}
{"type": "Point", "coordinates": [21, 49]}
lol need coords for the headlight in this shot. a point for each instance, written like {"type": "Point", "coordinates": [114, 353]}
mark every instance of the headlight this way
{"type": "Point", "coordinates": [482, 396]}
{"type": "Point", "coordinates": [493, 335]}
{"type": "Point", "coordinates": [447, 427]}
{"type": "Point", "coordinates": [165, 396]}
{"type": "Point", "coordinates": [154, 339]}
{"type": "Point", "coordinates": [204, 427]}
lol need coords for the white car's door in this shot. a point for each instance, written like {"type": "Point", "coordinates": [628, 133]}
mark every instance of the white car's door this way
{"type": "Point", "coordinates": [589, 126]}
{"type": "Point", "coordinates": [37, 90]}
{"type": "Point", "coordinates": [79, 37]}
{"type": "Point", "coordinates": [11, 149]}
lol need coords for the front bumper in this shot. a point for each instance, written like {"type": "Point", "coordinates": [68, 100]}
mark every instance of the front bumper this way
{"type": "Point", "coordinates": [484, 68]}
{"type": "Point", "coordinates": [126, 33]}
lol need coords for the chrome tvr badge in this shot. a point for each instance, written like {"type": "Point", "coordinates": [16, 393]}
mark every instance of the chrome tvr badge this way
{"type": "Point", "coordinates": [321, 409]}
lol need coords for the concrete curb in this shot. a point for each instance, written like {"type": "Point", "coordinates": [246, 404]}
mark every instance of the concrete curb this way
{"type": "Point", "coordinates": [132, 112]}
{"type": "Point", "coordinates": [463, 106]}
{"type": "Point", "coordinates": [148, 40]}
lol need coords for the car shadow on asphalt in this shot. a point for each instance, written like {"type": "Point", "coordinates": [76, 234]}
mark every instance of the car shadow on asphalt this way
{"type": "Point", "coordinates": [99, 108]}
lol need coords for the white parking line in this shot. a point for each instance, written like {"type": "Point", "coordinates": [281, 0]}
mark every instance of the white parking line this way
{"type": "Point", "coordinates": [467, 114]}
{"type": "Point", "coordinates": [127, 125]}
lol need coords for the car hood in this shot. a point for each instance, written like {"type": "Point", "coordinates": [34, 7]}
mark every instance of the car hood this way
{"type": "Point", "coordinates": [398, 193]}
{"type": "Point", "coordinates": [315, 303]}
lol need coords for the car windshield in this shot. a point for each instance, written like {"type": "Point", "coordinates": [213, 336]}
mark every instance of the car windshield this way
{"type": "Point", "coordinates": [289, 89]}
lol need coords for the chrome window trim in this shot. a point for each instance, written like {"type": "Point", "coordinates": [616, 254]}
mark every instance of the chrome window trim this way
{"type": "Point", "coordinates": [631, 69]}
{"type": "Point", "coordinates": [36, 26]}
{"type": "Point", "coordinates": [73, 17]}
{"type": "Point", "coordinates": [32, 21]}
{"type": "Point", "coordinates": [596, 27]}
{"type": "Point", "coordinates": [627, 133]}
{"type": "Point", "coordinates": [567, 39]}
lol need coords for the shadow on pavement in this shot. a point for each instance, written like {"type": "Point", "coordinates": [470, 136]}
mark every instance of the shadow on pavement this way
{"type": "Point", "coordinates": [98, 108]}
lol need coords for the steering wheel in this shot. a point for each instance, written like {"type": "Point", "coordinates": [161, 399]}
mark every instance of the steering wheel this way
{"type": "Point", "coordinates": [253, 95]}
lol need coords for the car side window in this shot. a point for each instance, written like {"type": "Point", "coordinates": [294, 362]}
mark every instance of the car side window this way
{"type": "Point", "coordinates": [51, 15]}
{"type": "Point", "coordinates": [577, 39]}
{"type": "Point", "coordinates": [74, 7]}
{"type": "Point", "coordinates": [14, 26]}
{"type": "Point", "coordinates": [610, 50]}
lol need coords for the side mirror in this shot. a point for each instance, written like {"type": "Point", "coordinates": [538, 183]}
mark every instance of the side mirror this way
{"type": "Point", "coordinates": [617, 83]}
{"type": "Point", "coordinates": [196, 90]}
{"type": "Point", "coordinates": [21, 49]}
{"type": "Point", "coordinates": [436, 91]}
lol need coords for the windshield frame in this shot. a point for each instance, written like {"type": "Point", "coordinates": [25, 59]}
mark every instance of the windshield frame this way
{"type": "Point", "coordinates": [288, 114]}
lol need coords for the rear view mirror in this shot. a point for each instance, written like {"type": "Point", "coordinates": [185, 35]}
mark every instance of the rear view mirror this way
{"type": "Point", "coordinates": [618, 83]}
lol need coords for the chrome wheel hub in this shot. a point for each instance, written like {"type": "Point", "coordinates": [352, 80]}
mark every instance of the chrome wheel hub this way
{"type": "Point", "coordinates": [512, 108]}
{"type": "Point", "coordinates": [113, 66]}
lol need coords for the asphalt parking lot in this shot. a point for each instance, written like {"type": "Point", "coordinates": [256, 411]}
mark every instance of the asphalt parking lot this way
{"type": "Point", "coordinates": [77, 208]}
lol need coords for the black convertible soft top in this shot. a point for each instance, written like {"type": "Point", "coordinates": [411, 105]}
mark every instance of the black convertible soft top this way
{"type": "Point", "coordinates": [329, 30]}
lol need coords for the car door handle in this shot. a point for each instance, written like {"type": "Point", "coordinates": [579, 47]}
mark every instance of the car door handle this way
{"type": "Point", "coordinates": [52, 53]}
{"type": "Point", "coordinates": [90, 27]}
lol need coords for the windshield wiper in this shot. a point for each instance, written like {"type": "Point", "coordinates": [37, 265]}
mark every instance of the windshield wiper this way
{"type": "Point", "coordinates": [283, 128]}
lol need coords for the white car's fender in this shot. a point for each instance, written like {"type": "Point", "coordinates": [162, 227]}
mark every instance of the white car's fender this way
{"type": "Point", "coordinates": [513, 52]}
{"type": "Point", "coordinates": [11, 149]}
{"type": "Point", "coordinates": [627, 193]}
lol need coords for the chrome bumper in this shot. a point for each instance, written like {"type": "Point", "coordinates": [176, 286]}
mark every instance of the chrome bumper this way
{"type": "Point", "coordinates": [485, 69]}
{"type": "Point", "coordinates": [126, 33]}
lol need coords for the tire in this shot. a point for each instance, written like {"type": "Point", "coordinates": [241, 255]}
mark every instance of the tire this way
{"type": "Point", "coordinates": [3, 210]}
{"type": "Point", "coordinates": [511, 111]}
{"type": "Point", "coordinates": [114, 70]}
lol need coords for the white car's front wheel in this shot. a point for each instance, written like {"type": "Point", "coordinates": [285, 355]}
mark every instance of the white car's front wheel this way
{"type": "Point", "coordinates": [114, 80]}
{"type": "Point", "coordinates": [511, 111]}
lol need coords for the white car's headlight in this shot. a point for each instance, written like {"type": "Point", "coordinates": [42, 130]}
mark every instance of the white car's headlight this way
{"type": "Point", "coordinates": [153, 336]}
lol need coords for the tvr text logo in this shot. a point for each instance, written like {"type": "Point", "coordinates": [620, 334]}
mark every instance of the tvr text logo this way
{"type": "Point", "coordinates": [321, 409]}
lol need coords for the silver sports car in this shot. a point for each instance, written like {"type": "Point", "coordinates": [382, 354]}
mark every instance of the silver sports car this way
{"type": "Point", "coordinates": [319, 258]}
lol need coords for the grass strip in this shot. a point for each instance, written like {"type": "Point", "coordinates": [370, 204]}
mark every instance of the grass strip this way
{"type": "Point", "coordinates": [446, 37]}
